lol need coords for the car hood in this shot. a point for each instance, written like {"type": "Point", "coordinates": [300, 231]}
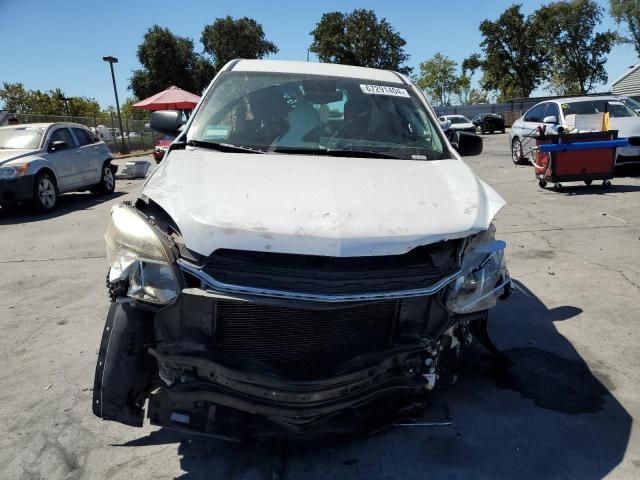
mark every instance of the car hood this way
{"type": "Point", "coordinates": [314, 205]}
{"type": "Point", "coordinates": [460, 126]}
{"type": "Point", "coordinates": [9, 154]}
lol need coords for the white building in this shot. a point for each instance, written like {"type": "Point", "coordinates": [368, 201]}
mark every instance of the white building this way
{"type": "Point", "coordinates": [628, 84]}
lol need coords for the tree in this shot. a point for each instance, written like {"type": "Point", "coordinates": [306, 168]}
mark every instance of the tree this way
{"type": "Point", "coordinates": [514, 60]}
{"type": "Point", "coordinates": [227, 39]}
{"type": "Point", "coordinates": [54, 102]}
{"type": "Point", "coordinates": [472, 63]}
{"type": "Point", "coordinates": [438, 78]}
{"type": "Point", "coordinates": [359, 38]}
{"type": "Point", "coordinates": [577, 52]}
{"type": "Point", "coordinates": [131, 112]}
{"type": "Point", "coordinates": [628, 11]}
{"type": "Point", "coordinates": [168, 59]}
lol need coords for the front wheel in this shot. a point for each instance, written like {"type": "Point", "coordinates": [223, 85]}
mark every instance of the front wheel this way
{"type": "Point", "coordinates": [45, 193]}
{"type": "Point", "coordinates": [107, 180]}
{"type": "Point", "coordinates": [516, 151]}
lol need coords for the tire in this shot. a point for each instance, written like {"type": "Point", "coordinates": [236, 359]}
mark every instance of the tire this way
{"type": "Point", "coordinates": [542, 183]}
{"type": "Point", "coordinates": [503, 130]}
{"type": "Point", "coordinates": [588, 182]}
{"type": "Point", "coordinates": [516, 152]}
{"type": "Point", "coordinates": [45, 193]}
{"type": "Point", "coordinates": [107, 180]}
{"type": "Point", "coordinates": [557, 187]}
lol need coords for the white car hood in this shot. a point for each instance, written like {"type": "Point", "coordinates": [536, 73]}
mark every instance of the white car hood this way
{"type": "Point", "coordinates": [9, 154]}
{"type": "Point", "coordinates": [318, 205]}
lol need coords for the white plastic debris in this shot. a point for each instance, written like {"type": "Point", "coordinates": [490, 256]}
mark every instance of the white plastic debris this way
{"type": "Point", "coordinates": [134, 169]}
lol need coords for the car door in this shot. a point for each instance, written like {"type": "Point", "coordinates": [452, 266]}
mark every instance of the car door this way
{"type": "Point", "coordinates": [87, 157]}
{"type": "Point", "coordinates": [62, 158]}
{"type": "Point", "coordinates": [530, 122]}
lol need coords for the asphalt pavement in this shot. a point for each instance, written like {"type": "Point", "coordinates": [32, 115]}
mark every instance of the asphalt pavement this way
{"type": "Point", "coordinates": [564, 410]}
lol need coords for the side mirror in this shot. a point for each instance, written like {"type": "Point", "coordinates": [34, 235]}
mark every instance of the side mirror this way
{"type": "Point", "coordinates": [445, 124]}
{"type": "Point", "coordinates": [550, 119]}
{"type": "Point", "coordinates": [467, 144]}
{"type": "Point", "coordinates": [167, 122]}
{"type": "Point", "coordinates": [57, 145]}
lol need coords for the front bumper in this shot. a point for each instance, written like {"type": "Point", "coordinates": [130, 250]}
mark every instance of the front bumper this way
{"type": "Point", "coordinates": [16, 190]}
{"type": "Point", "coordinates": [244, 404]}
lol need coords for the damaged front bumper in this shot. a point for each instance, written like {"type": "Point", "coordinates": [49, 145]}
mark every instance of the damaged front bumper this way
{"type": "Point", "coordinates": [237, 404]}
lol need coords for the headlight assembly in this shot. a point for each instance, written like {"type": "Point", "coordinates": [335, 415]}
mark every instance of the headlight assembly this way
{"type": "Point", "coordinates": [137, 254]}
{"type": "Point", "coordinates": [484, 275]}
{"type": "Point", "coordinates": [9, 172]}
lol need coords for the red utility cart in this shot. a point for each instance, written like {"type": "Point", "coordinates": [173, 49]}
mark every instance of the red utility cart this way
{"type": "Point", "coordinates": [576, 157]}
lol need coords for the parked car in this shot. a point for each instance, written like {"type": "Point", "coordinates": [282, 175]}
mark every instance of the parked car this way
{"type": "Point", "coordinates": [554, 112]}
{"type": "Point", "coordinates": [161, 148]}
{"type": "Point", "coordinates": [489, 122]}
{"type": "Point", "coordinates": [459, 123]}
{"type": "Point", "coordinates": [303, 275]}
{"type": "Point", "coordinates": [39, 161]}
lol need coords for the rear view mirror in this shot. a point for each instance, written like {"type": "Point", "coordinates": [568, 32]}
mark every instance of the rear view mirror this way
{"type": "Point", "coordinates": [467, 144]}
{"type": "Point", "coordinates": [550, 119]}
{"type": "Point", "coordinates": [168, 122]}
{"type": "Point", "coordinates": [321, 91]}
{"type": "Point", "coordinates": [58, 145]}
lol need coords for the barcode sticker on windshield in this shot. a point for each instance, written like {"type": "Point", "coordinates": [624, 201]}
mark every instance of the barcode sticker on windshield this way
{"type": "Point", "coordinates": [384, 90]}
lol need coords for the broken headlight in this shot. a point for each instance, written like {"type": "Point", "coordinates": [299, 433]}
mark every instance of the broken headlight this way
{"type": "Point", "coordinates": [137, 254]}
{"type": "Point", "coordinates": [484, 275]}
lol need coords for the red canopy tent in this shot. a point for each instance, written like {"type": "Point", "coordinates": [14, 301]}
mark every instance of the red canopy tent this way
{"type": "Point", "coordinates": [173, 98]}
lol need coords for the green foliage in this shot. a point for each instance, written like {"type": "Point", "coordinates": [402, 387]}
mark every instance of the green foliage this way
{"type": "Point", "coordinates": [132, 113]}
{"type": "Point", "coordinates": [53, 102]}
{"type": "Point", "coordinates": [472, 63]}
{"type": "Point", "coordinates": [514, 59]}
{"type": "Point", "coordinates": [578, 54]}
{"type": "Point", "coordinates": [628, 12]}
{"type": "Point", "coordinates": [438, 78]}
{"type": "Point", "coordinates": [227, 39]}
{"type": "Point", "coordinates": [168, 59]}
{"type": "Point", "coordinates": [359, 38]}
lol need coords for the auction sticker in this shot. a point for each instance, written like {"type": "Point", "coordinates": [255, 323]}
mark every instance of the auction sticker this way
{"type": "Point", "coordinates": [384, 90]}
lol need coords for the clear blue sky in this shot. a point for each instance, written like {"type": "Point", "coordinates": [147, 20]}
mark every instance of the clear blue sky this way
{"type": "Point", "coordinates": [50, 44]}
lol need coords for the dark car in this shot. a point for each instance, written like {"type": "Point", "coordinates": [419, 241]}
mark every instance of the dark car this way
{"type": "Point", "coordinates": [489, 122]}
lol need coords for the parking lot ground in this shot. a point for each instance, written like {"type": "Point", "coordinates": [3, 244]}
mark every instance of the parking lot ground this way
{"type": "Point", "coordinates": [563, 410]}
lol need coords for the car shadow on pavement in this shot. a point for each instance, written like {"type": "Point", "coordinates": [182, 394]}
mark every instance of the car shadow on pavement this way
{"type": "Point", "coordinates": [547, 415]}
{"type": "Point", "coordinates": [15, 214]}
{"type": "Point", "coordinates": [594, 189]}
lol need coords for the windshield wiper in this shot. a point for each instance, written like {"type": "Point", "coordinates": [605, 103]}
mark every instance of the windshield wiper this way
{"type": "Point", "coordinates": [224, 147]}
{"type": "Point", "coordinates": [333, 152]}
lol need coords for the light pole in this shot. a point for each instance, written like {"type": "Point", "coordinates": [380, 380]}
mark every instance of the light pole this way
{"type": "Point", "coordinates": [111, 61]}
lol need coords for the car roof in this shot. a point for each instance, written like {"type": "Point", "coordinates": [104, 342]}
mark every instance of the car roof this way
{"type": "Point", "coordinates": [456, 116]}
{"type": "Point", "coordinates": [581, 99]}
{"type": "Point", "coordinates": [317, 68]}
{"type": "Point", "coordinates": [46, 125]}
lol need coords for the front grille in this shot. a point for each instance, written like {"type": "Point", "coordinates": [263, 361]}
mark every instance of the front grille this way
{"type": "Point", "coordinates": [419, 268]}
{"type": "Point", "coordinates": [302, 344]}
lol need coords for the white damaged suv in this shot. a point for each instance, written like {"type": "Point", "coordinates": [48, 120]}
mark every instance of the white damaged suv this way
{"type": "Point", "coordinates": [310, 258]}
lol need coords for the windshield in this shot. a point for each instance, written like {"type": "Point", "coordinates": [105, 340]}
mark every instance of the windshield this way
{"type": "Point", "coordinates": [631, 103]}
{"type": "Point", "coordinates": [615, 108]}
{"type": "Point", "coordinates": [459, 119]}
{"type": "Point", "coordinates": [307, 113]}
{"type": "Point", "coordinates": [21, 137]}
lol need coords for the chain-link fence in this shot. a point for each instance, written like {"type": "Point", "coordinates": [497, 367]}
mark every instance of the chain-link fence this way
{"type": "Point", "coordinates": [137, 134]}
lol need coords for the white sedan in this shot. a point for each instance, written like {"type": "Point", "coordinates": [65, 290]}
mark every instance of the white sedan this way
{"type": "Point", "coordinates": [553, 113]}
{"type": "Point", "coordinates": [39, 161]}
{"type": "Point", "coordinates": [459, 123]}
